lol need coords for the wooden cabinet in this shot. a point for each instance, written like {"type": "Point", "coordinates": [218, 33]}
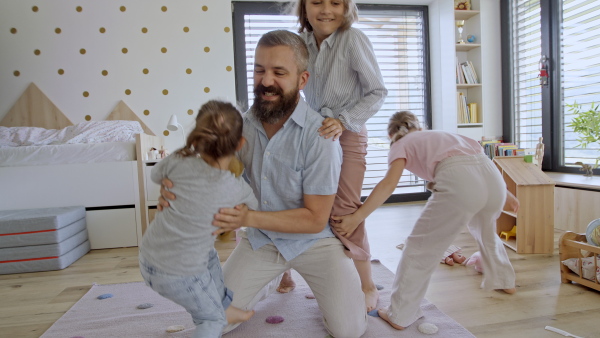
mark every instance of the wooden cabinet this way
{"type": "Point", "coordinates": [535, 219]}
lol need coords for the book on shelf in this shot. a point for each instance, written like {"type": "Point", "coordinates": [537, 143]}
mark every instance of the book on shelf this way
{"type": "Point", "coordinates": [473, 112]}
{"type": "Point", "coordinates": [462, 108]}
{"type": "Point", "coordinates": [465, 71]}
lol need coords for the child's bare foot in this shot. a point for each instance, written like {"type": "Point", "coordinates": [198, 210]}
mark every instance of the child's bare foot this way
{"type": "Point", "coordinates": [236, 315]}
{"type": "Point", "coordinates": [287, 284]}
{"type": "Point", "coordinates": [458, 258]}
{"type": "Point", "coordinates": [383, 314]}
{"type": "Point", "coordinates": [510, 291]}
{"type": "Point", "coordinates": [371, 298]}
{"type": "Point", "coordinates": [449, 261]}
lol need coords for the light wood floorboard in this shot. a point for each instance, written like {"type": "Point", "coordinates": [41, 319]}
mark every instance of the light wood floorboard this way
{"type": "Point", "coordinates": [30, 303]}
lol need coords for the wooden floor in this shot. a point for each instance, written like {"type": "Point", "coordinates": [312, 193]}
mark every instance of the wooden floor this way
{"type": "Point", "coordinates": [30, 303]}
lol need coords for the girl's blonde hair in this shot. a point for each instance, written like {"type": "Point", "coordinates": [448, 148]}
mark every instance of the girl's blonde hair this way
{"type": "Point", "coordinates": [299, 9]}
{"type": "Point", "coordinates": [217, 133]}
{"type": "Point", "coordinates": [401, 123]}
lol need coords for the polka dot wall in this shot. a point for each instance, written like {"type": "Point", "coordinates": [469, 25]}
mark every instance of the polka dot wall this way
{"type": "Point", "coordinates": [159, 57]}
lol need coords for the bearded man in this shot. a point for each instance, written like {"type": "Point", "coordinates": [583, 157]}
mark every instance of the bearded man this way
{"type": "Point", "coordinates": [294, 174]}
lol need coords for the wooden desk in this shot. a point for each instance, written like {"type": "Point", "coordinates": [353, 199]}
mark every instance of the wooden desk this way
{"type": "Point", "coordinates": [576, 201]}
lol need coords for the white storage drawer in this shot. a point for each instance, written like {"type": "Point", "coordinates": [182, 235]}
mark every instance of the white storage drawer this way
{"type": "Point", "coordinates": [152, 189]}
{"type": "Point", "coordinates": [111, 228]}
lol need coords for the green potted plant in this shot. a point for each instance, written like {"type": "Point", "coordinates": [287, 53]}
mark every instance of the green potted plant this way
{"type": "Point", "coordinates": [586, 123]}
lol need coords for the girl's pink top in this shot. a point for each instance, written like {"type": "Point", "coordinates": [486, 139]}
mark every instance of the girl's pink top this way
{"type": "Point", "coordinates": [424, 149]}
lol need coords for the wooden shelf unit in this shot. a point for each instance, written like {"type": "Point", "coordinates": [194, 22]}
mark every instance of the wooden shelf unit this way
{"type": "Point", "coordinates": [535, 218]}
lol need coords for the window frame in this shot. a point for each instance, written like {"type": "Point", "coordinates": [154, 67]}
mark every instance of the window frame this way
{"type": "Point", "coordinates": [240, 8]}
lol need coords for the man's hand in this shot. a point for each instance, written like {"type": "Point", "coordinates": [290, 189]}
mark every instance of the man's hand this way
{"type": "Point", "coordinates": [165, 194]}
{"type": "Point", "coordinates": [345, 225]}
{"type": "Point", "coordinates": [331, 128]}
{"type": "Point", "coordinates": [229, 219]}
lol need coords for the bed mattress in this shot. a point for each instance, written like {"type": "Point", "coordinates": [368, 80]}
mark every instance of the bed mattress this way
{"type": "Point", "coordinates": [67, 154]}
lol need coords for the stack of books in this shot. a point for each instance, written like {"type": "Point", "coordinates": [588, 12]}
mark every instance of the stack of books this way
{"type": "Point", "coordinates": [496, 147]}
{"type": "Point", "coordinates": [467, 112]}
{"type": "Point", "coordinates": [465, 73]}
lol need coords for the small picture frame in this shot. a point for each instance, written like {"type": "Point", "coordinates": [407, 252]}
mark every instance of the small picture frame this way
{"type": "Point", "coordinates": [462, 5]}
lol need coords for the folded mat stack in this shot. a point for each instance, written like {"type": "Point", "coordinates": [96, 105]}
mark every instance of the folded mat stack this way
{"type": "Point", "coordinates": [42, 239]}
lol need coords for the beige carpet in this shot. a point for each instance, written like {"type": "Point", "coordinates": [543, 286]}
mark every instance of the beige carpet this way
{"type": "Point", "coordinates": [118, 316]}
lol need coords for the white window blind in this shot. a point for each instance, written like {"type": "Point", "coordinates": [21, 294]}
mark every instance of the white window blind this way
{"type": "Point", "coordinates": [580, 71]}
{"type": "Point", "coordinates": [399, 41]}
{"type": "Point", "coordinates": [527, 48]}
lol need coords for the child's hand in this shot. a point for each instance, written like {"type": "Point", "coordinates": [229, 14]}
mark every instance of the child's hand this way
{"type": "Point", "coordinates": [331, 128]}
{"type": "Point", "coordinates": [345, 225]}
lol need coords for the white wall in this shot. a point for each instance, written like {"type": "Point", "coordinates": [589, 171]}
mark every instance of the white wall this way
{"type": "Point", "coordinates": [209, 24]}
{"type": "Point", "coordinates": [209, 27]}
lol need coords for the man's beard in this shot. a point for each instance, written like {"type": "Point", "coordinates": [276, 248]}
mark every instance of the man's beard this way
{"type": "Point", "coordinates": [272, 111]}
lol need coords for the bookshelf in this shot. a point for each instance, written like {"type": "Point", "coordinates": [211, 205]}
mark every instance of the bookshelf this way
{"type": "Point", "coordinates": [535, 218]}
{"type": "Point", "coordinates": [469, 83]}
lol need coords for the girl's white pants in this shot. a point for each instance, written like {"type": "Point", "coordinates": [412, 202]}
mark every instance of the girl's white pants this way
{"type": "Point", "coordinates": [468, 190]}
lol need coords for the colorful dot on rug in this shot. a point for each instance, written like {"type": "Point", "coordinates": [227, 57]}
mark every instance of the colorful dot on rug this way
{"type": "Point", "coordinates": [379, 286]}
{"type": "Point", "coordinates": [428, 328]}
{"type": "Point", "coordinates": [373, 313]}
{"type": "Point", "coordinates": [77, 337]}
{"type": "Point", "coordinates": [145, 306]}
{"type": "Point", "coordinates": [175, 328]}
{"type": "Point", "coordinates": [274, 319]}
{"type": "Point", "coordinates": [375, 260]}
{"type": "Point", "coordinates": [310, 296]}
{"type": "Point", "coordinates": [105, 296]}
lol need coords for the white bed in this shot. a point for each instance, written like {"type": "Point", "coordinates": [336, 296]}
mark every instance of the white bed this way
{"type": "Point", "coordinates": [76, 174]}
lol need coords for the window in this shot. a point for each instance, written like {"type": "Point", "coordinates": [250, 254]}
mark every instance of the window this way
{"type": "Point", "coordinates": [566, 33]}
{"type": "Point", "coordinates": [398, 35]}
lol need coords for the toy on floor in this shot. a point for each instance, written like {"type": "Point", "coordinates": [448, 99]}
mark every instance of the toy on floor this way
{"type": "Point", "coordinates": [475, 260]}
{"type": "Point", "coordinates": [509, 234]}
{"type": "Point", "coordinates": [453, 255]}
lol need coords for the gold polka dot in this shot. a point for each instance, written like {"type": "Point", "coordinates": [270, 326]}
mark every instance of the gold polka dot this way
{"type": "Point", "coordinates": [124, 50]}
{"type": "Point", "coordinates": [86, 94]}
{"type": "Point", "coordinates": [57, 30]}
{"type": "Point", "coordinates": [16, 73]}
{"type": "Point", "coordinates": [204, 8]}
{"type": "Point", "coordinates": [190, 112]}
{"type": "Point", "coordinates": [105, 72]}
{"type": "Point", "coordinates": [37, 52]}
{"type": "Point", "coordinates": [145, 71]}
{"type": "Point", "coordinates": [166, 133]}
{"type": "Point", "coordinates": [13, 30]}
{"type": "Point", "coordinates": [146, 112]}
{"type": "Point", "coordinates": [207, 49]}
{"type": "Point", "coordinates": [227, 29]}
{"type": "Point", "coordinates": [78, 8]}
{"type": "Point", "coordinates": [82, 51]}
{"type": "Point", "coordinates": [35, 8]}
{"type": "Point", "coordinates": [189, 71]}
{"type": "Point", "coordinates": [123, 8]}
{"type": "Point", "coordinates": [88, 118]}
{"type": "Point", "coordinates": [127, 91]}
{"type": "Point", "coordinates": [163, 8]}
{"type": "Point", "coordinates": [61, 71]}
{"type": "Point", "coordinates": [102, 30]}
{"type": "Point", "coordinates": [164, 49]}
{"type": "Point", "coordinates": [228, 68]}
{"type": "Point", "coordinates": [206, 89]}
{"type": "Point", "coordinates": [186, 29]}
{"type": "Point", "coordinates": [165, 92]}
{"type": "Point", "coordinates": [144, 30]}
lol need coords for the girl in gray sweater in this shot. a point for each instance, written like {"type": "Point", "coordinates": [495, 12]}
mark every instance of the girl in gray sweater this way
{"type": "Point", "coordinates": [177, 255]}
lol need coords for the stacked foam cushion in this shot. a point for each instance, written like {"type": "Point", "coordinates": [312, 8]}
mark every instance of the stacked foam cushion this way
{"type": "Point", "coordinates": [42, 239]}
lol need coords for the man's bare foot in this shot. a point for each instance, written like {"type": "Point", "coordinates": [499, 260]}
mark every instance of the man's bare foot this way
{"type": "Point", "coordinates": [383, 314]}
{"type": "Point", "coordinates": [371, 298]}
{"type": "Point", "coordinates": [287, 284]}
{"type": "Point", "coordinates": [236, 315]}
{"type": "Point", "coordinates": [510, 291]}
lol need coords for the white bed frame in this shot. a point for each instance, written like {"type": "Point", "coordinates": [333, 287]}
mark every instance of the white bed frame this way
{"type": "Point", "coordinates": [109, 190]}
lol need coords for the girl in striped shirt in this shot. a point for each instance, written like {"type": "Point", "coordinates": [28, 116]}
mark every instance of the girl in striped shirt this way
{"type": "Point", "coordinates": [346, 87]}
